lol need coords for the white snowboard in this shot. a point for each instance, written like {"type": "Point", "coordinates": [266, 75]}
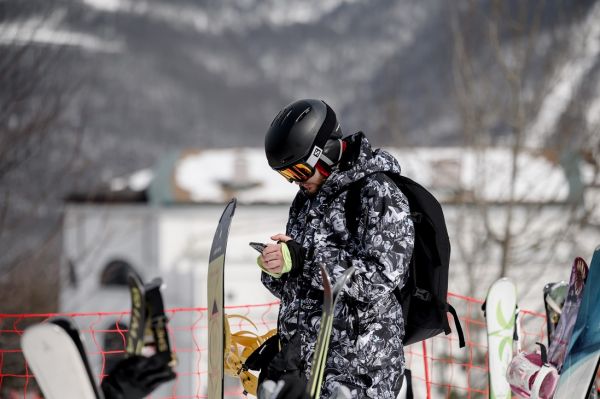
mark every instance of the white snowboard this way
{"type": "Point", "coordinates": [501, 306]}
{"type": "Point", "coordinates": [56, 363]}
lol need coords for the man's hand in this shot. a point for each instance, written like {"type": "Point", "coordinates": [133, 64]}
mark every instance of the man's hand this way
{"type": "Point", "coordinates": [272, 257]}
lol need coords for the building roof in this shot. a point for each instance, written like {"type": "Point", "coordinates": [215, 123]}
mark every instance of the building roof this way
{"type": "Point", "coordinates": [452, 174]}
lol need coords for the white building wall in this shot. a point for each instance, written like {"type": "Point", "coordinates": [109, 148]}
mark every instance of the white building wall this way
{"type": "Point", "coordinates": [95, 235]}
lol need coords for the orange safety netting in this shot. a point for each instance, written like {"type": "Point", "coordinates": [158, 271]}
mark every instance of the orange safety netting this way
{"type": "Point", "coordinates": [440, 369]}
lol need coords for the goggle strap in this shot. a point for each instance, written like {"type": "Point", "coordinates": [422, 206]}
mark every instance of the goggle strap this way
{"type": "Point", "coordinates": [326, 159]}
{"type": "Point", "coordinates": [316, 153]}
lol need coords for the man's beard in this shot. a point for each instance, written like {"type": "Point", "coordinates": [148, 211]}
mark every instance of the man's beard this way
{"type": "Point", "coordinates": [308, 193]}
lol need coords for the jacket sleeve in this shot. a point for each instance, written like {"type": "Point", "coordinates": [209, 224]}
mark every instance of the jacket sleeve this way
{"type": "Point", "coordinates": [382, 251]}
{"type": "Point", "coordinates": [275, 284]}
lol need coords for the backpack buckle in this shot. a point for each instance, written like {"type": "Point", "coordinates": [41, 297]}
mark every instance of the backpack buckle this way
{"type": "Point", "coordinates": [422, 294]}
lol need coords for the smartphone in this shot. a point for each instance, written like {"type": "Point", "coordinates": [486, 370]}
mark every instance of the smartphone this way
{"type": "Point", "coordinates": [258, 246]}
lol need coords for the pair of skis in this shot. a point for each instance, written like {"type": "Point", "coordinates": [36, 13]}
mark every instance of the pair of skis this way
{"type": "Point", "coordinates": [216, 314]}
{"type": "Point", "coordinates": [148, 320]}
{"type": "Point", "coordinates": [55, 352]}
{"type": "Point", "coordinates": [330, 298]}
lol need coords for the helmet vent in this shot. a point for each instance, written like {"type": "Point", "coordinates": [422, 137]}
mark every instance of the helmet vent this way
{"type": "Point", "coordinates": [303, 114]}
{"type": "Point", "coordinates": [281, 116]}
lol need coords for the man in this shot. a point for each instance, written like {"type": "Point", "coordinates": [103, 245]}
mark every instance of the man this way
{"type": "Point", "coordinates": [304, 144]}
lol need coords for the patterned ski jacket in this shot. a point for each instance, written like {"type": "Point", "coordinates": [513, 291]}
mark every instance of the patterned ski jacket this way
{"type": "Point", "coordinates": [366, 352]}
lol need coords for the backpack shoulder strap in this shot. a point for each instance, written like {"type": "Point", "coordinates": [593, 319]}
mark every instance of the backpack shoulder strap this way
{"type": "Point", "coordinates": [353, 202]}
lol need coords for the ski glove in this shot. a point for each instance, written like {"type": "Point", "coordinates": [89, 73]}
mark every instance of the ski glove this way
{"type": "Point", "coordinates": [293, 259]}
{"type": "Point", "coordinates": [291, 387]}
{"type": "Point", "coordinates": [136, 377]}
{"type": "Point", "coordinates": [288, 387]}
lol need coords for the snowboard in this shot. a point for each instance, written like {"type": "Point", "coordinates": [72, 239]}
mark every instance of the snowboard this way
{"type": "Point", "coordinates": [555, 295]}
{"type": "Point", "coordinates": [55, 353]}
{"type": "Point", "coordinates": [215, 293]}
{"type": "Point", "coordinates": [500, 310]}
{"type": "Point", "coordinates": [583, 352]}
{"type": "Point", "coordinates": [330, 298]}
{"type": "Point", "coordinates": [560, 338]}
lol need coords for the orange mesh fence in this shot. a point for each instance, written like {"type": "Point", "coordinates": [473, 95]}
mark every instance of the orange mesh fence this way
{"type": "Point", "coordinates": [440, 369]}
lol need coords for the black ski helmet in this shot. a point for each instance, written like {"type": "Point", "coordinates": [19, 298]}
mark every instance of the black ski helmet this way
{"type": "Point", "coordinates": [300, 132]}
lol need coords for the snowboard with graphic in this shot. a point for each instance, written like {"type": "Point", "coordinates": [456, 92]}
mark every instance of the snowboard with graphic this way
{"type": "Point", "coordinates": [55, 353]}
{"type": "Point", "coordinates": [500, 312]}
{"type": "Point", "coordinates": [215, 293]}
{"type": "Point", "coordinates": [562, 334]}
{"type": "Point", "coordinates": [583, 352]}
{"type": "Point", "coordinates": [555, 295]}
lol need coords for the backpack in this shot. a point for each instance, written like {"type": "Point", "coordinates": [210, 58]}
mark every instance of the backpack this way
{"type": "Point", "coordinates": [423, 298]}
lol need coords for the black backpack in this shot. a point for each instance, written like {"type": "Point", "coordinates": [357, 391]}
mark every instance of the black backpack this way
{"type": "Point", "coordinates": [424, 297]}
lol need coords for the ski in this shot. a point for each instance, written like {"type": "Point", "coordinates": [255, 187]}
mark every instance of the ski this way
{"type": "Point", "coordinates": [562, 334]}
{"type": "Point", "coordinates": [500, 309]}
{"type": "Point", "coordinates": [148, 319]}
{"type": "Point", "coordinates": [583, 353]}
{"type": "Point", "coordinates": [330, 298]}
{"type": "Point", "coordinates": [555, 295]}
{"type": "Point", "coordinates": [157, 321]}
{"type": "Point", "coordinates": [215, 293]}
{"type": "Point", "coordinates": [56, 355]}
{"type": "Point", "coordinates": [137, 322]}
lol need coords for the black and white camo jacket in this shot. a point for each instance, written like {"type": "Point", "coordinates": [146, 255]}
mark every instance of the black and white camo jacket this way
{"type": "Point", "coordinates": [366, 352]}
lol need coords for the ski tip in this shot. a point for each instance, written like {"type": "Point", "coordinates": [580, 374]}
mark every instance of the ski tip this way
{"type": "Point", "coordinates": [504, 281]}
{"type": "Point", "coordinates": [156, 282]}
{"type": "Point", "coordinates": [232, 202]}
{"type": "Point", "coordinates": [65, 323]}
{"type": "Point", "coordinates": [503, 284]}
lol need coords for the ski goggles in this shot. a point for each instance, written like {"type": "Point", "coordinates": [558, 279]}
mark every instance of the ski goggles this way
{"type": "Point", "coordinates": [298, 172]}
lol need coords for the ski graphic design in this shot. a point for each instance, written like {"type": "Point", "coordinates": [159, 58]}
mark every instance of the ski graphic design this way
{"type": "Point", "coordinates": [562, 334]}
{"type": "Point", "coordinates": [555, 295]}
{"type": "Point", "coordinates": [500, 310]}
{"type": "Point", "coordinates": [215, 293]}
{"type": "Point", "coordinates": [157, 321]}
{"type": "Point", "coordinates": [55, 353]}
{"type": "Point", "coordinates": [583, 353]}
{"type": "Point", "coordinates": [330, 298]}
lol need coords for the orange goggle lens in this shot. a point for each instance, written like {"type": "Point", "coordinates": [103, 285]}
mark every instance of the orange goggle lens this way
{"type": "Point", "coordinates": [297, 173]}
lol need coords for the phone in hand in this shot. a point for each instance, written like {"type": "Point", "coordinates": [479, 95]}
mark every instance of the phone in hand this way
{"type": "Point", "coordinates": [258, 246]}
